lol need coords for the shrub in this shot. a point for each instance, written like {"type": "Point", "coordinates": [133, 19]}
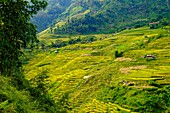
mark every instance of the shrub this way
{"type": "Point", "coordinates": [118, 54]}
{"type": "Point", "coordinates": [39, 91]}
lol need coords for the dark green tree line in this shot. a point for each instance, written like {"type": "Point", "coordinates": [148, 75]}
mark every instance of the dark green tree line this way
{"type": "Point", "coordinates": [16, 32]}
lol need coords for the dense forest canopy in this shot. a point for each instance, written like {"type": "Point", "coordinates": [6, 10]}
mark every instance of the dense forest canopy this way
{"type": "Point", "coordinates": [45, 18]}
{"type": "Point", "coordinates": [82, 16]}
{"type": "Point", "coordinates": [16, 31]}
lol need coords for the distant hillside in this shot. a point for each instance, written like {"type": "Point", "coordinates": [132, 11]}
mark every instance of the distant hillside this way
{"type": "Point", "coordinates": [86, 16]}
{"type": "Point", "coordinates": [45, 18]}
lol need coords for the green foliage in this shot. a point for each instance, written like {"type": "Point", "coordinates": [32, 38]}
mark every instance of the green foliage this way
{"type": "Point", "coordinates": [39, 91]}
{"type": "Point", "coordinates": [48, 17]}
{"type": "Point", "coordinates": [60, 43]}
{"type": "Point", "coordinates": [110, 16]}
{"type": "Point", "coordinates": [13, 100]}
{"type": "Point", "coordinates": [138, 101]}
{"type": "Point", "coordinates": [118, 54]}
{"type": "Point", "coordinates": [88, 39]}
{"type": "Point", "coordinates": [16, 34]}
{"type": "Point", "coordinates": [40, 84]}
{"type": "Point", "coordinates": [32, 98]}
{"type": "Point", "coordinates": [16, 31]}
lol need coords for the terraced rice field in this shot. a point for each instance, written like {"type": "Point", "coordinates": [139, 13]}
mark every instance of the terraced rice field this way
{"type": "Point", "coordinates": [84, 72]}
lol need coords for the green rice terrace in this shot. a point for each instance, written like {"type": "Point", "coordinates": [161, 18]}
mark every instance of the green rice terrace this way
{"type": "Point", "coordinates": [122, 72]}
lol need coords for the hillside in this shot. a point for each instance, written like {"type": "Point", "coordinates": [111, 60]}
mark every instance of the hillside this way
{"type": "Point", "coordinates": [96, 16]}
{"type": "Point", "coordinates": [47, 17]}
{"type": "Point", "coordinates": [123, 72]}
{"type": "Point", "coordinates": [92, 56]}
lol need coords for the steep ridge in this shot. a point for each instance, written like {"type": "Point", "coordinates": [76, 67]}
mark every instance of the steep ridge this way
{"type": "Point", "coordinates": [45, 18]}
{"type": "Point", "coordinates": [89, 16]}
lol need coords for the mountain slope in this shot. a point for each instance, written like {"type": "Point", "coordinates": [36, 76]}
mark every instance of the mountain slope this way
{"type": "Point", "coordinates": [45, 18]}
{"type": "Point", "coordinates": [116, 15]}
{"type": "Point", "coordinates": [84, 16]}
{"type": "Point", "coordinates": [123, 72]}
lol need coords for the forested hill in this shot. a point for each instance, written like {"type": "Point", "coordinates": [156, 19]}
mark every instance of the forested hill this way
{"type": "Point", "coordinates": [46, 17]}
{"type": "Point", "coordinates": [85, 16]}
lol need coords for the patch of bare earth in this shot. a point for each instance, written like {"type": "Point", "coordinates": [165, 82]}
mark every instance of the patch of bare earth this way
{"type": "Point", "coordinates": [145, 41]}
{"type": "Point", "coordinates": [88, 48]}
{"type": "Point", "coordinates": [142, 87]}
{"type": "Point", "coordinates": [123, 59]}
{"type": "Point", "coordinates": [86, 55]}
{"type": "Point", "coordinates": [126, 70]}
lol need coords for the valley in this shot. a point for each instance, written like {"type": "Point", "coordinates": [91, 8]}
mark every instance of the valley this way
{"type": "Point", "coordinates": [84, 56]}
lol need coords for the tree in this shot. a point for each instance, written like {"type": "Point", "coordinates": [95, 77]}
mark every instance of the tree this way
{"type": "Point", "coordinates": [16, 32]}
